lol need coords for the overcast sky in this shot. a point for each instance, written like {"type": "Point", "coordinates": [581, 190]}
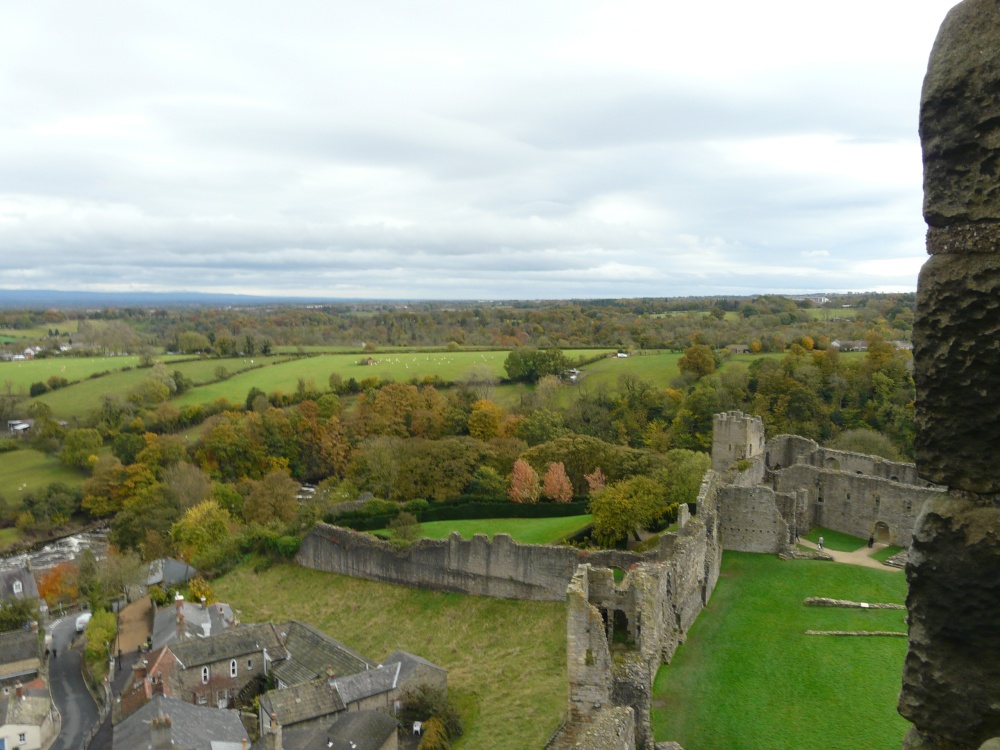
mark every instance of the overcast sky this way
{"type": "Point", "coordinates": [467, 149]}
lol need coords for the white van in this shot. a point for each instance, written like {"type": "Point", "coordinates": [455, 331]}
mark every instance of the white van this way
{"type": "Point", "coordinates": [81, 621]}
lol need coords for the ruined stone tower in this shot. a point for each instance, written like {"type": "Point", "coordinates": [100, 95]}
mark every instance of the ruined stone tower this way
{"type": "Point", "coordinates": [951, 678]}
{"type": "Point", "coordinates": [735, 436]}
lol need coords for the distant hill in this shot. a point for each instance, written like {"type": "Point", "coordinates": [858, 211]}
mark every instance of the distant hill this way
{"type": "Point", "coordinates": [36, 298]}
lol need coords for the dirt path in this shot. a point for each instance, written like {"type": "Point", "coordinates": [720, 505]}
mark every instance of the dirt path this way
{"type": "Point", "coordinates": [860, 557]}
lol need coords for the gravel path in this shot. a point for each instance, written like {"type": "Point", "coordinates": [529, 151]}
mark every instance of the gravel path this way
{"type": "Point", "coordinates": [860, 557]}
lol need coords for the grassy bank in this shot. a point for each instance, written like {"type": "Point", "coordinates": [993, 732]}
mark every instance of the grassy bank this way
{"type": "Point", "coordinates": [506, 660]}
{"type": "Point", "coordinates": [524, 530]}
{"type": "Point", "coordinates": [749, 677]}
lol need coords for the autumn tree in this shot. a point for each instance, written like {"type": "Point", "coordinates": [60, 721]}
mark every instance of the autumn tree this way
{"type": "Point", "coordinates": [524, 485]}
{"type": "Point", "coordinates": [79, 445]}
{"type": "Point", "coordinates": [596, 481]}
{"type": "Point", "coordinates": [485, 420]}
{"type": "Point", "coordinates": [273, 498]}
{"type": "Point", "coordinates": [624, 507]}
{"type": "Point", "coordinates": [556, 484]}
{"type": "Point", "coordinates": [200, 528]}
{"type": "Point", "coordinates": [188, 484]}
{"type": "Point", "coordinates": [58, 584]}
{"type": "Point", "coordinates": [698, 360]}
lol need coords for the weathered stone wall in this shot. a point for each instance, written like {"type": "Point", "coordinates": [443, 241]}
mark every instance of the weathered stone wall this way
{"type": "Point", "coordinates": [500, 568]}
{"type": "Point", "coordinates": [852, 503]}
{"type": "Point", "coordinates": [750, 520]}
{"type": "Point", "coordinates": [735, 436]}
{"type": "Point", "coordinates": [659, 601]}
{"type": "Point", "coordinates": [951, 677]}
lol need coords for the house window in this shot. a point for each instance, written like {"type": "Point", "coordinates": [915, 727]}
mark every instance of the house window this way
{"type": "Point", "coordinates": [249, 663]}
{"type": "Point", "coordinates": [204, 675]}
{"type": "Point", "coordinates": [232, 668]}
{"type": "Point", "coordinates": [22, 737]}
{"type": "Point", "coordinates": [202, 700]}
{"type": "Point", "coordinates": [18, 588]}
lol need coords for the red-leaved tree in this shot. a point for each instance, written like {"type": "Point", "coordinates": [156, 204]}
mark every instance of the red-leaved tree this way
{"type": "Point", "coordinates": [58, 585]}
{"type": "Point", "coordinates": [596, 480]}
{"type": "Point", "coordinates": [524, 487]}
{"type": "Point", "coordinates": [556, 484]}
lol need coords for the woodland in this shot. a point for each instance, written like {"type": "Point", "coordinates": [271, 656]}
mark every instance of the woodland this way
{"type": "Point", "coordinates": [219, 481]}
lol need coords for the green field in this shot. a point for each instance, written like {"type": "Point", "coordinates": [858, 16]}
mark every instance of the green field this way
{"type": "Point", "coordinates": [27, 470]}
{"type": "Point", "coordinates": [79, 399]}
{"type": "Point", "coordinates": [38, 332]}
{"type": "Point", "coordinates": [748, 676]}
{"type": "Point", "coordinates": [659, 368]}
{"type": "Point", "coordinates": [400, 367]}
{"type": "Point", "coordinates": [23, 374]}
{"type": "Point", "coordinates": [506, 660]}
{"type": "Point", "coordinates": [524, 530]}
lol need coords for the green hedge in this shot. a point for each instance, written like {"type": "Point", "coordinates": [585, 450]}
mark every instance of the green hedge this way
{"type": "Point", "coordinates": [361, 522]}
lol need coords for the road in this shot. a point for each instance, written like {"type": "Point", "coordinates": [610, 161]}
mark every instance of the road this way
{"type": "Point", "coordinates": [75, 704]}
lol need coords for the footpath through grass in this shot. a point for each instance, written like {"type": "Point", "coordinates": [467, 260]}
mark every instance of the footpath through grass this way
{"type": "Point", "coordinates": [748, 677]}
{"type": "Point", "coordinates": [523, 530]}
{"type": "Point", "coordinates": [835, 540]}
{"type": "Point", "coordinates": [506, 660]}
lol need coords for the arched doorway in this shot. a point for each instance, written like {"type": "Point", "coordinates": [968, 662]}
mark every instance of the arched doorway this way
{"type": "Point", "coordinates": [881, 533]}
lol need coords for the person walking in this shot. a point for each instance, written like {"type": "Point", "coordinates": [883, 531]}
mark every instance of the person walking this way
{"type": "Point", "coordinates": [871, 541]}
{"type": "Point", "coordinates": [819, 544]}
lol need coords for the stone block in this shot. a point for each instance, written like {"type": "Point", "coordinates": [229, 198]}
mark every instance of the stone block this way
{"type": "Point", "coordinates": [956, 341]}
{"type": "Point", "coordinates": [951, 677]}
{"type": "Point", "coordinates": [960, 117]}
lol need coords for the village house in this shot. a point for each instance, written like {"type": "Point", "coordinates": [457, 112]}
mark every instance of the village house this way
{"type": "Point", "coordinates": [361, 730]}
{"type": "Point", "coordinates": [19, 583]}
{"type": "Point", "coordinates": [28, 721]}
{"type": "Point", "coordinates": [166, 723]}
{"type": "Point", "coordinates": [20, 659]}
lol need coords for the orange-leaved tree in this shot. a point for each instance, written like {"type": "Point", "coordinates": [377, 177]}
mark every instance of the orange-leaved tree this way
{"type": "Point", "coordinates": [524, 487]}
{"type": "Point", "coordinates": [58, 585]}
{"type": "Point", "coordinates": [556, 484]}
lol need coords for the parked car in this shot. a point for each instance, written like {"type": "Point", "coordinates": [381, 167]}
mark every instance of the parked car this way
{"type": "Point", "coordinates": [82, 620]}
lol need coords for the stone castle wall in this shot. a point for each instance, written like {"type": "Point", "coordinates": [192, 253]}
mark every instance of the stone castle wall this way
{"type": "Point", "coordinates": [651, 610]}
{"type": "Point", "coordinates": [794, 485]}
{"type": "Point", "coordinates": [500, 568]}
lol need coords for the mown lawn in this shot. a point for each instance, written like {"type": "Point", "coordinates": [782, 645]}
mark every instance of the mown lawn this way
{"type": "Point", "coordinates": [506, 660]}
{"type": "Point", "coordinates": [524, 530]}
{"type": "Point", "coordinates": [26, 470]}
{"type": "Point", "coordinates": [835, 540]}
{"type": "Point", "coordinates": [884, 554]}
{"type": "Point", "coordinates": [749, 677]}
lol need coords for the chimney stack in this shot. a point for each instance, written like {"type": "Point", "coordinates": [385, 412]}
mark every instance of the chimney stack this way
{"type": "Point", "coordinates": [159, 729]}
{"type": "Point", "coordinates": [272, 736]}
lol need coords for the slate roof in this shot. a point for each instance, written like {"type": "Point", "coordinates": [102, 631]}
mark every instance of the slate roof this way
{"type": "Point", "coordinates": [192, 727]}
{"type": "Point", "coordinates": [302, 702]}
{"type": "Point", "coordinates": [246, 639]}
{"type": "Point", "coordinates": [32, 710]}
{"type": "Point", "coordinates": [18, 645]}
{"type": "Point", "coordinates": [310, 653]}
{"type": "Point", "coordinates": [409, 662]}
{"type": "Point", "coordinates": [29, 589]}
{"type": "Point", "coordinates": [358, 730]}
{"type": "Point", "coordinates": [355, 687]}
{"type": "Point", "coordinates": [199, 622]}
{"type": "Point", "coordinates": [168, 572]}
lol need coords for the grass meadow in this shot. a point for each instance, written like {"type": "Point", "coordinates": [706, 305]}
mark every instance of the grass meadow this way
{"type": "Point", "coordinates": [79, 399]}
{"type": "Point", "coordinates": [26, 470]}
{"type": "Point", "coordinates": [23, 374]}
{"type": "Point", "coordinates": [748, 677]}
{"type": "Point", "coordinates": [524, 530]}
{"type": "Point", "coordinates": [506, 660]}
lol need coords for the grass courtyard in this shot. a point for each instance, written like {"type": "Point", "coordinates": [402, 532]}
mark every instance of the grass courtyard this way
{"type": "Point", "coordinates": [748, 677]}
